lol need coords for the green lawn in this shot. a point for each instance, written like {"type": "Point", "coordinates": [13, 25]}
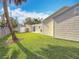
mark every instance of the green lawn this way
{"type": "Point", "coordinates": [37, 46]}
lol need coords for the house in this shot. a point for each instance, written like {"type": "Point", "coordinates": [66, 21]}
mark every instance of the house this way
{"type": "Point", "coordinates": [37, 28]}
{"type": "Point", "coordinates": [48, 26]}
{"type": "Point", "coordinates": [28, 28]}
{"type": "Point", "coordinates": [63, 24]}
{"type": "Point", "coordinates": [21, 28]}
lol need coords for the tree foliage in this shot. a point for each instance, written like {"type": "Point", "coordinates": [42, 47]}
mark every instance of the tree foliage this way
{"type": "Point", "coordinates": [14, 22]}
{"type": "Point", "coordinates": [2, 24]}
{"type": "Point", "coordinates": [16, 2]}
{"type": "Point", "coordinates": [31, 21]}
{"type": "Point", "coordinates": [36, 21]}
{"type": "Point", "coordinates": [6, 13]}
{"type": "Point", "coordinates": [28, 21]}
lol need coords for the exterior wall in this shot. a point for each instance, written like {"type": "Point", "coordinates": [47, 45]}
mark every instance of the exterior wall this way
{"type": "Point", "coordinates": [28, 28]}
{"type": "Point", "coordinates": [37, 28]}
{"type": "Point", "coordinates": [48, 27]}
{"type": "Point", "coordinates": [67, 25]}
{"type": "Point", "coordinates": [68, 29]}
{"type": "Point", "coordinates": [4, 31]}
{"type": "Point", "coordinates": [20, 28]}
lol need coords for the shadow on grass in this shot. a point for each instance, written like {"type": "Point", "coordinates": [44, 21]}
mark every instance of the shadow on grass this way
{"type": "Point", "coordinates": [3, 52]}
{"type": "Point", "coordinates": [29, 53]}
{"type": "Point", "coordinates": [14, 55]}
{"type": "Point", "coordinates": [60, 52]}
{"type": "Point", "coordinates": [3, 49]}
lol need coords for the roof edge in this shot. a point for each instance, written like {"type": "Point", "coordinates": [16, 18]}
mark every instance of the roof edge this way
{"type": "Point", "coordinates": [53, 15]}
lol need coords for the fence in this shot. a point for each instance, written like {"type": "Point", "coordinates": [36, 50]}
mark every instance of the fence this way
{"type": "Point", "coordinates": [4, 31]}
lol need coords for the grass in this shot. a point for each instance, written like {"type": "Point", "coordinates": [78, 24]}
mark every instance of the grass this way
{"type": "Point", "coordinates": [37, 46]}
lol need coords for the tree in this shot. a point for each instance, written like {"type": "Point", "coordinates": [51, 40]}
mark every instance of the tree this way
{"type": "Point", "coordinates": [6, 13]}
{"type": "Point", "coordinates": [14, 22]}
{"type": "Point", "coordinates": [1, 24]}
{"type": "Point", "coordinates": [31, 21]}
{"type": "Point", "coordinates": [28, 21]}
{"type": "Point", "coordinates": [36, 21]}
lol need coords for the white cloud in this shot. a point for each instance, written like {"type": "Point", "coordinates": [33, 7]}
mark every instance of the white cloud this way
{"type": "Point", "coordinates": [22, 14]}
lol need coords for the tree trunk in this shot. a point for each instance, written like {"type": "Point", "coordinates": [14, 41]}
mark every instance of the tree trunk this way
{"type": "Point", "coordinates": [6, 13]}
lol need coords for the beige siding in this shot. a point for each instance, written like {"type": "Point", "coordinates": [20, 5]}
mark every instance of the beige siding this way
{"type": "Point", "coordinates": [67, 25]}
{"type": "Point", "coordinates": [68, 29]}
{"type": "Point", "coordinates": [36, 28]}
{"type": "Point", "coordinates": [64, 25]}
{"type": "Point", "coordinates": [28, 28]}
{"type": "Point", "coordinates": [48, 27]}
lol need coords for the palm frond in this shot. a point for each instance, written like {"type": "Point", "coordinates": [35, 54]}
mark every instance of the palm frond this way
{"type": "Point", "coordinates": [18, 2]}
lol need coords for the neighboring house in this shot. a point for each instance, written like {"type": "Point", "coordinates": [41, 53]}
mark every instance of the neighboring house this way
{"type": "Point", "coordinates": [63, 24]}
{"type": "Point", "coordinates": [37, 28]}
{"type": "Point", "coordinates": [28, 28]}
{"type": "Point", "coordinates": [21, 28]}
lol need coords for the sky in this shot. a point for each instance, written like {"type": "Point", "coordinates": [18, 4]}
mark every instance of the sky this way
{"type": "Point", "coordinates": [37, 8]}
